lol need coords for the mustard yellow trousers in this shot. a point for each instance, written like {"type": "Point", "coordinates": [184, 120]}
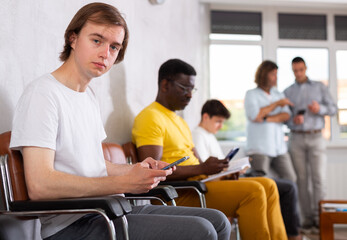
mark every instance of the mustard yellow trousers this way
{"type": "Point", "coordinates": [254, 201]}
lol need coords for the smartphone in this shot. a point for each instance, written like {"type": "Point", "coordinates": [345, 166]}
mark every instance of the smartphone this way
{"type": "Point", "coordinates": [232, 153]}
{"type": "Point", "coordinates": [301, 112]}
{"type": "Point", "coordinates": [175, 163]}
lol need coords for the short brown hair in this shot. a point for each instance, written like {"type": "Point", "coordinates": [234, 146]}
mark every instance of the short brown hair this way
{"type": "Point", "coordinates": [99, 13]}
{"type": "Point", "coordinates": [261, 75]}
{"type": "Point", "coordinates": [214, 107]}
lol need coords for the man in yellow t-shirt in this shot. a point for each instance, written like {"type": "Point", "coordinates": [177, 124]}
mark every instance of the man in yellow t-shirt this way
{"type": "Point", "coordinates": [160, 133]}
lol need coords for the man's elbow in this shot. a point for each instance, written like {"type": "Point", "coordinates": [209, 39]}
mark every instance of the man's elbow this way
{"type": "Point", "coordinates": [36, 191]}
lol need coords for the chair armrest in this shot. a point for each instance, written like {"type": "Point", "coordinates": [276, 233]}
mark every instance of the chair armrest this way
{"type": "Point", "coordinates": [112, 206]}
{"type": "Point", "coordinates": [126, 206]}
{"type": "Point", "coordinates": [165, 192]}
{"type": "Point", "coordinates": [200, 186]}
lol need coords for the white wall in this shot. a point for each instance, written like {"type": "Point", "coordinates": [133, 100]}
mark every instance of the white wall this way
{"type": "Point", "coordinates": [31, 37]}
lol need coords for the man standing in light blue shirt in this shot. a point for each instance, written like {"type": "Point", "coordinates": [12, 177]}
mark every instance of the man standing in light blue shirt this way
{"type": "Point", "coordinates": [266, 110]}
{"type": "Point", "coordinates": [312, 101]}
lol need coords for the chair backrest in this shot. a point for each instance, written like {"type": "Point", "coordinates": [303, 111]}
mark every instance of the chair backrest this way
{"type": "Point", "coordinates": [130, 151]}
{"type": "Point", "coordinates": [15, 169]}
{"type": "Point", "coordinates": [114, 153]}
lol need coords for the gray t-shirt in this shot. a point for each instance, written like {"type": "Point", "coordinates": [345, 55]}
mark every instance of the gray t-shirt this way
{"type": "Point", "coordinates": [51, 115]}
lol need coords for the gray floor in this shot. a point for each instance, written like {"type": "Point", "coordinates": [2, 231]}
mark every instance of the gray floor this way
{"type": "Point", "coordinates": [340, 233]}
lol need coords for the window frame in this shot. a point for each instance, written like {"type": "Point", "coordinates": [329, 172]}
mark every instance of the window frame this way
{"type": "Point", "coordinates": [270, 42]}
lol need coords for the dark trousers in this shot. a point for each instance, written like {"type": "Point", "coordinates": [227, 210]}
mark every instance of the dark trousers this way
{"type": "Point", "coordinates": [154, 222]}
{"type": "Point", "coordinates": [289, 200]}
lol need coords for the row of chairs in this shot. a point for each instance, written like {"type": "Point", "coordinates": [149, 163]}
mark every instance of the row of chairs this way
{"type": "Point", "coordinates": [15, 201]}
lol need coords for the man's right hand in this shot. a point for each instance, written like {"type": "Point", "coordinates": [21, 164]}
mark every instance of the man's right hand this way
{"type": "Point", "coordinates": [298, 119]}
{"type": "Point", "coordinates": [142, 177]}
{"type": "Point", "coordinates": [213, 165]}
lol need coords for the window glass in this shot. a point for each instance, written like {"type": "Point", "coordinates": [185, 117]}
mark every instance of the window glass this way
{"type": "Point", "coordinates": [317, 62]}
{"type": "Point", "coordinates": [232, 70]}
{"type": "Point", "coordinates": [341, 59]}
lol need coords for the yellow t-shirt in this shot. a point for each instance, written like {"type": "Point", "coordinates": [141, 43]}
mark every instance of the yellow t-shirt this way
{"type": "Point", "coordinates": [157, 125]}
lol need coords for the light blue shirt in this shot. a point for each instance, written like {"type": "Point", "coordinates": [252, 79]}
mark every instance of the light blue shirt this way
{"type": "Point", "coordinates": [265, 137]}
{"type": "Point", "coordinates": [302, 95]}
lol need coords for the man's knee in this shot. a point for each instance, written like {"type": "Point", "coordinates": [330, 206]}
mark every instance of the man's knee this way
{"type": "Point", "coordinates": [256, 190]}
{"type": "Point", "coordinates": [287, 188]}
{"type": "Point", "coordinates": [205, 229]}
{"type": "Point", "coordinates": [219, 221]}
{"type": "Point", "coordinates": [291, 176]}
{"type": "Point", "coordinates": [270, 188]}
{"type": "Point", "coordinates": [268, 184]}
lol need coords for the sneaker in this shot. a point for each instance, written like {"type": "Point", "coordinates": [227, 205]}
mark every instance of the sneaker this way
{"type": "Point", "coordinates": [315, 230]}
{"type": "Point", "coordinates": [306, 230]}
{"type": "Point", "coordinates": [308, 223]}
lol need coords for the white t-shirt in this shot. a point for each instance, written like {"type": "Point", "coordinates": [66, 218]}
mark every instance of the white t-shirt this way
{"type": "Point", "coordinates": [206, 144]}
{"type": "Point", "coordinates": [51, 115]}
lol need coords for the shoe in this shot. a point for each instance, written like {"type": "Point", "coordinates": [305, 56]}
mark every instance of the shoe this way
{"type": "Point", "coordinates": [306, 230]}
{"type": "Point", "coordinates": [299, 237]}
{"type": "Point", "coordinates": [315, 230]}
{"type": "Point", "coordinates": [308, 223]}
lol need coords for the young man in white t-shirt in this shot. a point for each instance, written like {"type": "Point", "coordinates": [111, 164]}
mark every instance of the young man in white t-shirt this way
{"type": "Point", "coordinates": [213, 115]}
{"type": "Point", "coordinates": [58, 128]}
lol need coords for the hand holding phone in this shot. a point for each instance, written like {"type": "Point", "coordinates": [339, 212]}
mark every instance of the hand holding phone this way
{"type": "Point", "coordinates": [232, 153]}
{"type": "Point", "coordinates": [301, 112]}
{"type": "Point", "coordinates": [175, 163]}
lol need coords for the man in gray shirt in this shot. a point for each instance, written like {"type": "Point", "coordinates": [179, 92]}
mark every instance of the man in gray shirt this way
{"type": "Point", "coordinates": [312, 102]}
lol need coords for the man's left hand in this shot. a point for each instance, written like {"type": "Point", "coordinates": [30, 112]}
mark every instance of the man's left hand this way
{"type": "Point", "coordinates": [232, 176]}
{"type": "Point", "coordinates": [314, 107]}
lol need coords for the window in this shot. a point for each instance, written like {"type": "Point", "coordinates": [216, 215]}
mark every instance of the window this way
{"type": "Point", "coordinates": [232, 69]}
{"type": "Point", "coordinates": [232, 66]}
{"type": "Point", "coordinates": [302, 26]}
{"type": "Point", "coordinates": [341, 59]}
{"type": "Point", "coordinates": [317, 61]}
{"type": "Point", "coordinates": [227, 25]}
{"type": "Point", "coordinates": [245, 35]}
{"type": "Point", "coordinates": [341, 28]}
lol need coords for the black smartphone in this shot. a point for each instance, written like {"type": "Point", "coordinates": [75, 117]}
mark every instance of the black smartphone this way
{"type": "Point", "coordinates": [232, 153]}
{"type": "Point", "coordinates": [175, 163]}
{"type": "Point", "coordinates": [301, 112]}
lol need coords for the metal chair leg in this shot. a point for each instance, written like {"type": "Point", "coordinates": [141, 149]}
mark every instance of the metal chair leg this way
{"type": "Point", "coordinates": [201, 195]}
{"type": "Point", "coordinates": [125, 227]}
